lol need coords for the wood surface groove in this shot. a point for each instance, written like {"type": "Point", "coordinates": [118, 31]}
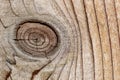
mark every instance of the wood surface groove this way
{"type": "Point", "coordinates": [116, 20]}
{"type": "Point", "coordinates": [35, 7]}
{"type": "Point", "coordinates": [72, 60]}
{"type": "Point", "coordinates": [109, 38]}
{"type": "Point", "coordinates": [89, 39]}
{"type": "Point", "coordinates": [66, 60]}
{"type": "Point", "coordinates": [78, 32]}
{"type": "Point", "coordinates": [2, 23]}
{"type": "Point", "coordinates": [99, 38]}
{"type": "Point", "coordinates": [9, 75]}
{"type": "Point", "coordinates": [25, 6]}
{"type": "Point", "coordinates": [37, 71]}
{"type": "Point", "coordinates": [12, 8]}
{"type": "Point", "coordinates": [110, 43]}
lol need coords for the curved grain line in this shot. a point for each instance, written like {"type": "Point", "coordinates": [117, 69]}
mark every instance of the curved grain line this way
{"type": "Point", "coordinates": [75, 14]}
{"type": "Point", "coordinates": [10, 62]}
{"type": "Point", "coordinates": [25, 7]}
{"type": "Point", "coordinates": [56, 64]}
{"type": "Point", "coordinates": [74, 24]}
{"type": "Point", "coordinates": [74, 33]}
{"type": "Point", "coordinates": [56, 67]}
{"type": "Point", "coordinates": [9, 74]}
{"type": "Point", "coordinates": [12, 9]}
{"type": "Point", "coordinates": [37, 71]}
{"type": "Point", "coordinates": [89, 35]}
{"type": "Point", "coordinates": [99, 36]}
{"type": "Point", "coordinates": [3, 24]}
{"type": "Point", "coordinates": [116, 20]}
{"type": "Point", "coordinates": [7, 59]}
{"type": "Point", "coordinates": [33, 1]}
{"type": "Point", "coordinates": [74, 43]}
{"type": "Point", "coordinates": [76, 29]}
{"type": "Point", "coordinates": [109, 39]}
{"type": "Point", "coordinates": [35, 7]}
{"type": "Point", "coordinates": [68, 21]}
{"type": "Point", "coordinates": [62, 69]}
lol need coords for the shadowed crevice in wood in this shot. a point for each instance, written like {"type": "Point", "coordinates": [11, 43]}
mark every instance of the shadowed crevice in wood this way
{"type": "Point", "coordinates": [8, 75]}
{"type": "Point", "coordinates": [37, 71]}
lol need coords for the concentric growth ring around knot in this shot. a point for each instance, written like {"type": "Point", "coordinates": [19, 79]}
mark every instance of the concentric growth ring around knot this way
{"type": "Point", "coordinates": [36, 39]}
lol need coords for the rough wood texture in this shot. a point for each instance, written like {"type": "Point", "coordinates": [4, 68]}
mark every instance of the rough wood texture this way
{"type": "Point", "coordinates": [59, 39]}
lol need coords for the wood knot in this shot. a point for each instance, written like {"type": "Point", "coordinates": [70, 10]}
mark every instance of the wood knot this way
{"type": "Point", "coordinates": [36, 39]}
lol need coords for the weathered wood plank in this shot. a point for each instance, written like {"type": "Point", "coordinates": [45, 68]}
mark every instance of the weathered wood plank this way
{"type": "Point", "coordinates": [80, 41]}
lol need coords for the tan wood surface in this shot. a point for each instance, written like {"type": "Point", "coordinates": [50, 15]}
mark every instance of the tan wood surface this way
{"type": "Point", "coordinates": [78, 39]}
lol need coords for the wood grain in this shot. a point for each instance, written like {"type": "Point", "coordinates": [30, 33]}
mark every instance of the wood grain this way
{"type": "Point", "coordinates": [81, 38]}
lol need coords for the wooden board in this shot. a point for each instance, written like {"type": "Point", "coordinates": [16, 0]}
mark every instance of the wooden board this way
{"type": "Point", "coordinates": [59, 39]}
